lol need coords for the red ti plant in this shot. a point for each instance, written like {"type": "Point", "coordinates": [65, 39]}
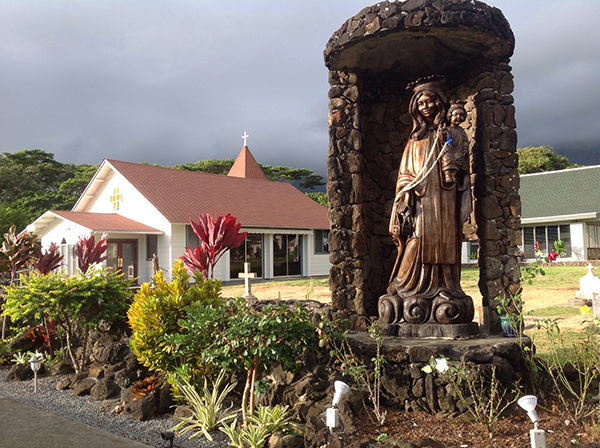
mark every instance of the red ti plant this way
{"type": "Point", "coordinates": [216, 238]}
{"type": "Point", "coordinates": [196, 260]}
{"type": "Point", "coordinates": [88, 252]}
{"type": "Point", "coordinates": [48, 261]}
{"type": "Point", "coordinates": [19, 249]}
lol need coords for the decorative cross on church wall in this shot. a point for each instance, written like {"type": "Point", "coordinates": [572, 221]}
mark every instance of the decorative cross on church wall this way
{"type": "Point", "coordinates": [247, 275]}
{"type": "Point", "coordinates": [245, 137]}
{"type": "Point", "coordinates": [116, 198]}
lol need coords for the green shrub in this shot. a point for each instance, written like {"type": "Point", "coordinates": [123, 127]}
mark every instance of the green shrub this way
{"type": "Point", "coordinates": [156, 311]}
{"type": "Point", "coordinates": [77, 303]}
{"type": "Point", "coordinates": [237, 336]}
{"type": "Point", "coordinates": [5, 352]}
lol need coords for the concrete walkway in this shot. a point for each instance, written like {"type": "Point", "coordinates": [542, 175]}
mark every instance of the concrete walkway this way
{"type": "Point", "coordinates": [25, 426]}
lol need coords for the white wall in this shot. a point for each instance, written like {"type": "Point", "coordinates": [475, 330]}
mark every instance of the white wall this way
{"type": "Point", "coordinates": [578, 241]}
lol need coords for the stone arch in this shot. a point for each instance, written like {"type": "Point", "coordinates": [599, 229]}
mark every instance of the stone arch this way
{"type": "Point", "coordinates": [371, 58]}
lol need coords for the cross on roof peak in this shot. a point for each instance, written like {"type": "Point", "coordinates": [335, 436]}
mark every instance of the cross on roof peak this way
{"type": "Point", "coordinates": [245, 137]}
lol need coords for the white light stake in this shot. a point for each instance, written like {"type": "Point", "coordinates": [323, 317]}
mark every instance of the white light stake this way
{"type": "Point", "coordinates": [538, 436]}
{"type": "Point", "coordinates": [35, 364]}
{"type": "Point", "coordinates": [333, 413]}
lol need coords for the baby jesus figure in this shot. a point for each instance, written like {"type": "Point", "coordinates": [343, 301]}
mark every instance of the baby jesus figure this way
{"type": "Point", "coordinates": [457, 150]}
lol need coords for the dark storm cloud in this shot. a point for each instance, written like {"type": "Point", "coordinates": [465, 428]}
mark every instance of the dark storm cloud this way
{"type": "Point", "coordinates": [173, 82]}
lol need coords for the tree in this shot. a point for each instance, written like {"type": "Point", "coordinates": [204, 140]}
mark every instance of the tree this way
{"type": "Point", "coordinates": [304, 177]}
{"type": "Point", "coordinates": [11, 215]}
{"type": "Point", "coordinates": [32, 182]}
{"type": "Point", "coordinates": [321, 198]}
{"type": "Point", "coordinates": [537, 159]}
{"type": "Point", "coordinates": [214, 166]}
{"type": "Point", "coordinates": [24, 172]}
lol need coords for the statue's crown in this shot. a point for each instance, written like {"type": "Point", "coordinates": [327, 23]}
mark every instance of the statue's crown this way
{"type": "Point", "coordinates": [431, 82]}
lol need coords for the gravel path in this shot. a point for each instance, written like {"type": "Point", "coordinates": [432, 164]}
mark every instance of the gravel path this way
{"type": "Point", "coordinates": [97, 413]}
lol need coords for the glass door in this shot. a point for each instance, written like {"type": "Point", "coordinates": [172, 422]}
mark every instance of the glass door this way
{"type": "Point", "coordinates": [249, 251]}
{"type": "Point", "coordinates": [287, 250]}
{"type": "Point", "coordinates": [122, 257]}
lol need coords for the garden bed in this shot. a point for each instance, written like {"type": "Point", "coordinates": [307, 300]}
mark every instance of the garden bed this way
{"type": "Point", "coordinates": [462, 431]}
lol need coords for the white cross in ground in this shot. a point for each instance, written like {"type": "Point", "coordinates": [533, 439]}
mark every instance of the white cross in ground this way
{"type": "Point", "coordinates": [247, 275]}
{"type": "Point", "coordinates": [245, 136]}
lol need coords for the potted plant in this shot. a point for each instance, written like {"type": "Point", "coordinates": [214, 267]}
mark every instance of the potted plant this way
{"type": "Point", "coordinates": [511, 316]}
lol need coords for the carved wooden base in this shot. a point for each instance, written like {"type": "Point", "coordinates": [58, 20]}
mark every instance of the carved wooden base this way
{"type": "Point", "coordinates": [432, 331]}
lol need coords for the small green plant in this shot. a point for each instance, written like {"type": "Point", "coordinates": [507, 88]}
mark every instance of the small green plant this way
{"type": "Point", "coordinates": [310, 290]}
{"type": "Point", "coordinates": [350, 364]}
{"type": "Point", "coordinates": [511, 307]}
{"type": "Point", "coordinates": [250, 437]}
{"type": "Point", "coordinates": [473, 256]}
{"type": "Point", "coordinates": [207, 408]}
{"type": "Point", "coordinates": [559, 248]}
{"type": "Point", "coordinates": [275, 419]}
{"type": "Point", "coordinates": [381, 437]}
{"type": "Point", "coordinates": [5, 352]}
{"type": "Point", "coordinates": [574, 366]}
{"type": "Point", "coordinates": [482, 394]}
{"type": "Point", "coordinates": [58, 356]}
{"type": "Point", "coordinates": [260, 427]}
{"type": "Point", "coordinates": [21, 358]}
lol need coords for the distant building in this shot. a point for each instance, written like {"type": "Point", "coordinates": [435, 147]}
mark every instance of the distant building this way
{"type": "Point", "coordinates": [562, 205]}
{"type": "Point", "coordinates": [145, 210]}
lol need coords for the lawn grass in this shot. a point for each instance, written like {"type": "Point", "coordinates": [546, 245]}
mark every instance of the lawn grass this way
{"type": "Point", "coordinates": [555, 277]}
{"type": "Point", "coordinates": [554, 311]}
{"type": "Point", "coordinates": [320, 281]}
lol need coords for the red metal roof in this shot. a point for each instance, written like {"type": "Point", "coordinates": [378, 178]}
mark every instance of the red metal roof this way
{"type": "Point", "coordinates": [99, 222]}
{"type": "Point", "coordinates": [246, 166]}
{"type": "Point", "coordinates": [181, 195]}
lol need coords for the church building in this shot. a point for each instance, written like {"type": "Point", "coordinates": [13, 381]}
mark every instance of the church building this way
{"type": "Point", "coordinates": [144, 210]}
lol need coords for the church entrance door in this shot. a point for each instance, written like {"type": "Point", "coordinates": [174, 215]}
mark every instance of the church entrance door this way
{"type": "Point", "coordinates": [122, 257]}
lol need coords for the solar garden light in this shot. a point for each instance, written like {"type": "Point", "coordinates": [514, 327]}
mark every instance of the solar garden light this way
{"type": "Point", "coordinates": [538, 436]}
{"type": "Point", "coordinates": [35, 364]}
{"type": "Point", "coordinates": [333, 413]}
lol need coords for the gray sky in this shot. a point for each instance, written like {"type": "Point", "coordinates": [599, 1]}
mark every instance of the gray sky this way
{"type": "Point", "coordinates": [170, 82]}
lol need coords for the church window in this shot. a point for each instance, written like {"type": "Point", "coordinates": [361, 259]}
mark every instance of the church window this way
{"type": "Point", "coordinates": [546, 236]}
{"type": "Point", "coordinates": [151, 246]}
{"type": "Point", "coordinates": [321, 241]}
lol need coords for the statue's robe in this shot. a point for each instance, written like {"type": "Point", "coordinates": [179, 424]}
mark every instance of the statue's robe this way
{"type": "Point", "coordinates": [428, 274]}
